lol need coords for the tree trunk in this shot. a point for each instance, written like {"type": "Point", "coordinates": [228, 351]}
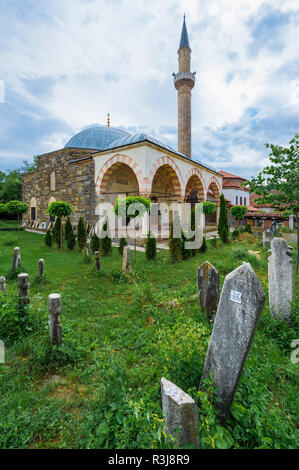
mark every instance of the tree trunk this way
{"type": "Point", "coordinates": [297, 258]}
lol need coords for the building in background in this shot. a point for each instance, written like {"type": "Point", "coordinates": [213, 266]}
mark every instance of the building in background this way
{"type": "Point", "coordinates": [233, 190]}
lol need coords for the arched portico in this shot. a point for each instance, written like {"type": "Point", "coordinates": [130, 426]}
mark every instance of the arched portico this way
{"type": "Point", "coordinates": [194, 191]}
{"type": "Point", "coordinates": [213, 195]}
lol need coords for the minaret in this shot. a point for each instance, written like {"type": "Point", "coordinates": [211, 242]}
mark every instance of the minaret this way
{"type": "Point", "coordinates": [184, 81]}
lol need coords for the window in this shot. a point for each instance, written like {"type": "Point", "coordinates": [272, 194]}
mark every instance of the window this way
{"type": "Point", "coordinates": [240, 200]}
{"type": "Point", "coordinates": [52, 181]}
{"type": "Point", "coordinates": [236, 199]}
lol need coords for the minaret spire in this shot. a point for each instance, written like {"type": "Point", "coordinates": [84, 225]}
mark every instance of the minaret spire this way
{"type": "Point", "coordinates": [184, 81]}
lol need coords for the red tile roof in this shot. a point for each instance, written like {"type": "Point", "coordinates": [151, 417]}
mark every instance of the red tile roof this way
{"type": "Point", "coordinates": [225, 174]}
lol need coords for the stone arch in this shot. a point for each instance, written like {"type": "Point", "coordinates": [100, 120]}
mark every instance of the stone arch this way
{"type": "Point", "coordinates": [213, 185]}
{"type": "Point", "coordinates": [33, 209]}
{"type": "Point", "coordinates": [165, 166]}
{"type": "Point", "coordinates": [52, 181]}
{"type": "Point", "coordinates": [111, 165]}
{"type": "Point", "coordinates": [194, 181]}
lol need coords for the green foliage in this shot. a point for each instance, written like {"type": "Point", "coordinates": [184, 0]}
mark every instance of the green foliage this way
{"type": "Point", "coordinates": [175, 247]}
{"type": "Point", "coordinates": [8, 241]}
{"type": "Point", "coordinates": [247, 228]}
{"type": "Point", "coordinates": [49, 238]}
{"type": "Point", "coordinates": [238, 212]}
{"type": "Point", "coordinates": [94, 243]}
{"type": "Point", "coordinates": [68, 228]}
{"type": "Point", "coordinates": [235, 233]}
{"type": "Point", "coordinates": [17, 208]}
{"type": "Point", "coordinates": [71, 242]}
{"type": "Point", "coordinates": [209, 207]}
{"type": "Point", "coordinates": [60, 209]}
{"type": "Point", "coordinates": [122, 206]}
{"type": "Point", "coordinates": [223, 223]}
{"type": "Point", "coordinates": [122, 243]}
{"type": "Point", "coordinates": [57, 231]}
{"type": "Point", "coordinates": [10, 186]}
{"type": "Point", "coordinates": [151, 247]}
{"type": "Point", "coordinates": [213, 242]}
{"type": "Point", "coordinates": [82, 234]}
{"type": "Point", "coordinates": [106, 241]}
{"type": "Point", "coordinates": [204, 245]}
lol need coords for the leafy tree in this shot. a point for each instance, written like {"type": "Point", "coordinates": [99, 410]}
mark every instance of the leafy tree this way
{"type": "Point", "coordinates": [122, 243]}
{"type": "Point", "coordinates": [238, 212]}
{"type": "Point", "coordinates": [10, 186]}
{"type": "Point", "coordinates": [95, 243]}
{"type": "Point", "coordinates": [209, 207]}
{"type": "Point", "coordinates": [151, 247]}
{"type": "Point", "coordinates": [19, 208]}
{"type": "Point", "coordinates": [282, 176]}
{"type": "Point", "coordinates": [82, 234]}
{"type": "Point", "coordinates": [60, 209]}
{"type": "Point", "coordinates": [106, 242]}
{"type": "Point", "coordinates": [223, 223]}
{"type": "Point", "coordinates": [68, 229]}
{"type": "Point", "coordinates": [122, 207]}
{"type": "Point", "coordinates": [49, 238]}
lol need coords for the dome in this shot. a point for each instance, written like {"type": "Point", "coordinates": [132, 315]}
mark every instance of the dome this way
{"type": "Point", "coordinates": [132, 139]}
{"type": "Point", "coordinates": [97, 137]}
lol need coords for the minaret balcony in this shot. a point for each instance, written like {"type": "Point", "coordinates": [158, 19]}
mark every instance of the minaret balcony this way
{"type": "Point", "coordinates": [184, 76]}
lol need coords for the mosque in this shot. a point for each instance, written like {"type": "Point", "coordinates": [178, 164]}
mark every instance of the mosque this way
{"type": "Point", "coordinates": [101, 162]}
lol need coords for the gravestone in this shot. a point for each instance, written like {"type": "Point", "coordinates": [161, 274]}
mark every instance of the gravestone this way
{"type": "Point", "coordinates": [126, 259]}
{"type": "Point", "coordinates": [291, 222]}
{"type": "Point", "coordinates": [55, 308]}
{"type": "Point", "coordinates": [181, 414]}
{"type": "Point", "coordinates": [280, 279]}
{"type": "Point", "coordinates": [267, 238]}
{"type": "Point", "coordinates": [41, 269]}
{"type": "Point", "coordinates": [241, 303]}
{"type": "Point", "coordinates": [16, 260]}
{"type": "Point", "coordinates": [23, 285]}
{"type": "Point", "coordinates": [3, 284]}
{"type": "Point", "coordinates": [97, 261]}
{"type": "Point", "coordinates": [273, 227]}
{"type": "Point", "coordinates": [208, 287]}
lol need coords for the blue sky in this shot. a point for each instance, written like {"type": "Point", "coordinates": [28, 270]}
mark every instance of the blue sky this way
{"type": "Point", "coordinates": [65, 64]}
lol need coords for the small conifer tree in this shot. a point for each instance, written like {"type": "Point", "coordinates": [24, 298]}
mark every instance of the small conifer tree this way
{"type": "Point", "coordinates": [204, 245]}
{"type": "Point", "coordinates": [223, 223]}
{"type": "Point", "coordinates": [82, 234]}
{"type": "Point", "coordinates": [57, 231]}
{"type": "Point", "coordinates": [95, 243]}
{"type": "Point", "coordinates": [151, 247]}
{"type": "Point", "coordinates": [71, 241]}
{"type": "Point", "coordinates": [122, 243]}
{"type": "Point", "coordinates": [68, 228]}
{"type": "Point", "coordinates": [49, 238]}
{"type": "Point", "coordinates": [175, 247]}
{"type": "Point", "coordinates": [106, 242]}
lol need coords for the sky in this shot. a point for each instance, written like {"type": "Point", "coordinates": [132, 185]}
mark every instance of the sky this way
{"type": "Point", "coordinates": [65, 64]}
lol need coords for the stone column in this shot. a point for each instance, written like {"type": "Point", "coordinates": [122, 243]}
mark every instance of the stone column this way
{"type": "Point", "coordinates": [16, 261]}
{"type": "Point", "coordinates": [280, 278]}
{"type": "Point", "coordinates": [208, 288]}
{"type": "Point", "coordinates": [126, 259]}
{"type": "Point", "coordinates": [55, 308]}
{"type": "Point", "coordinates": [291, 221]}
{"type": "Point", "coordinates": [23, 285]}
{"type": "Point", "coordinates": [41, 269]}
{"type": "Point", "coordinates": [241, 303]}
{"type": "Point", "coordinates": [3, 284]}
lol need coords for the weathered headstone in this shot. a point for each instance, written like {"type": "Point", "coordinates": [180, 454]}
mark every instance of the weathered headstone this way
{"type": "Point", "coordinates": [291, 221]}
{"type": "Point", "coordinates": [280, 278]}
{"type": "Point", "coordinates": [267, 238]}
{"type": "Point", "coordinates": [181, 414]}
{"type": "Point", "coordinates": [241, 303]}
{"type": "Point", "coordinates": [41, 269]}
{"type": "Point", "coordinates": [126, 259]}
{"type": "Point", "coordinates": [55, 308]}
{"type": "Point", "coordinates": [208, 287]}
{"type": "Point", "coordinates": [16, 260]}
{"type": "Point", "coordinates": [3, 284]}
{"type": "Point", "coordinates": [273, 227]}
{"type": "Point", "coordinates": [97, 261]}
{"type": "Point", "coordinates": [23, 285]}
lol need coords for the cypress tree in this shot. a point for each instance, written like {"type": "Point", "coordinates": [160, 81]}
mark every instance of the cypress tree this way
{"type": "Point", "coordinates": [223, 223]}
{"type": "Point", "coordinates": [68, 229]}
{"type": "Point", "coordinates": [106, 242]}
{"type": "Point", "coordinates": [82, 234]}
{"type": "Point", "coordinates": [49, 238]}
{"type": "Point", "coordinates": [95, 243]}
{"type": "Point", "coordinates": [175, 247]}
{"type": "Point", "coordinates": [122, 243]}
{"type": "Point", "coordinates": [56, 231]}
{"type": "Point", "coordinates": [71, 241]}
{"type": "Point", "coordinates": [151, 247]}
{"type": "Point", "coordinates": [204, 245]}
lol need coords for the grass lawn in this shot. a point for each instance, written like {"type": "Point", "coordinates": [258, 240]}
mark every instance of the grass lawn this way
{"type": "Point", "coordinates": [121, 334]}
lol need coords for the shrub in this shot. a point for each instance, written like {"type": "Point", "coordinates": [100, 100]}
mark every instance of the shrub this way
{"type": "Point", "coordinates": [122, 206]}
{"type": "Point", "coordinates": [223, 223]}
{"type": "Point", "coordinates": [213, 242]}
{"type": "Point", "coordinates": [238, 211]}
{"type": "Point", "coordinates": [95, 243]}
{"type": "Point", "coordinates": [247, 228]}
{"type": "Point", "coordinates": [225, 235]}
{"type": "Point", "coordinates": [82, 234]}
{"type": "Point", "coordinates": [151, 247]}
{"type": "Point", "coordinates": [204, 245]}
{"type": "Point", "coordinates": [209, 207]}
{"type": "Point", "coordinates": [8, 241]}
{"type": "Point", "coordinates": [106, 242]}
{"type": "Point", "coordinates": [68, 229]}
{"type": "Point", "coordinates": [71, 242]}
{"type": "Point", "coordinates": [235, 233]}
{"type": "Point", "coordinates": [49, 238]}
{"type": "Point", "coordinates": [122, 243]}
{"type": "Point", "coordinates": [57, 231]}
{"type": "Point", "coordinates": [175, 247]}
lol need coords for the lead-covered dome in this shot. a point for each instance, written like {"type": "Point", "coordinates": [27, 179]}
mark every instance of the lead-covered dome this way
{"type": "Point", "coordinates": [96, 137]}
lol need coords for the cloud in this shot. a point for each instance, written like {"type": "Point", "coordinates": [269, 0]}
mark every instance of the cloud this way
{"type": "Point", "coordinates": [66, 64]}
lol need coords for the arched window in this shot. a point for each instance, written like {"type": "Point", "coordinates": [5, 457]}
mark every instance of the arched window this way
{"type": "Point", "coordinates": [52, 181]}
{"type": "Point", "coordinates": [236, 199]}
{"type": "Point", "coordinates": [240, 200]}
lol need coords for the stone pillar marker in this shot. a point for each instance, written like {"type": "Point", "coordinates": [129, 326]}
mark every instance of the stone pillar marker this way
{"type": "Point", "coordinates": [267, 238]}
{"type": "Point", "coordinates": [41, 269]}
{"type": "Point", "coordinates": [97, 261]}
{"type": "Point", "coordinates": [241, 303]}
{"type": "Point", "coordinates": [126, 259]}
{"type": "Point", "coordinates": [291, 221]}
{"type": "Point", "coordinates": [55, 308]}
{"type": "Point", "coordinates": [280, 278]}
{"type": "Point", "coordinates": [3, 284]}
{"type": "Point", "coordinates": [23, 285]}
{"type": "Point", "coordinates": [181, 414]}
{"type": "Point", "coordinates": [16, 260]}
{"type": "Point", "coordinates": [208, 287]}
